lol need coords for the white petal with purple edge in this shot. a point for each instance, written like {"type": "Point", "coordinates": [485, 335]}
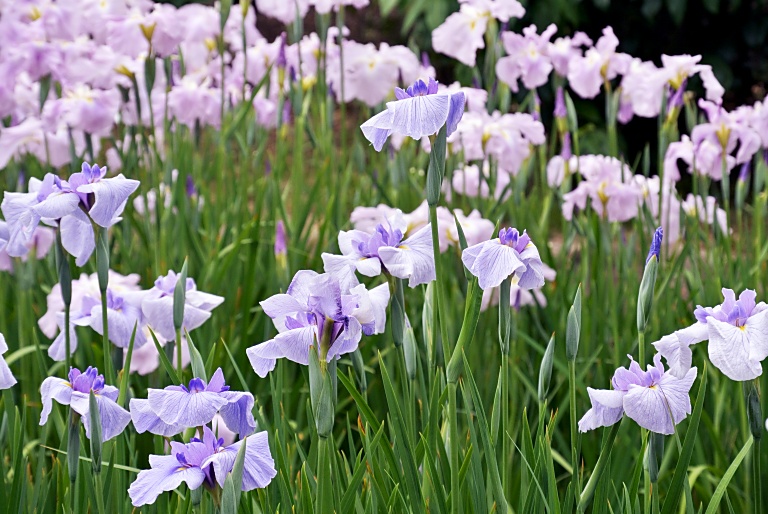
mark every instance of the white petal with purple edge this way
{"type": "Point", "coordinates": [494, 263]}
{"type": "Point", "coordinates": [378, 129]}
{"type": "Point", "coordinates": [238, 412]}
{"type": "Point", "coordinates": [110, 198]}
{"type": "Point", "coordinates": [258, 466]}
{"type": "Point", "coordinates": [293, 345]}
{"type": "Point", "coordinates": [166, 475]}
{"type": "Point", "coordinates": [413, 259]}
{"type": "Point", "coordinates": [113, 418]}
{"type": "Point", "coordinates": [606, 409]}
{"type": "Point", "coordinates": [178, 407]}
{"type": "Point", "coordinates": [145, 420]}
{"type": "Point", "coordinates": [419, 116]}
{"type": "Point", "coordinates": [657, 406]}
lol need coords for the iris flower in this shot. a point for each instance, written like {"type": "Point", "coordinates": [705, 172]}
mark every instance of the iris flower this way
{"type": "Point", "coordinates": [169, 411]}
{"type": "Point", "coordinates": [75, 392]}
{"type": "Point", "coordinates": [302, 314]}
{"type": "Point", "coordinates": [738, 337]}
{"type": "Point", "coordinates": [7, 380]}
{"type": "Point", "coordinates": [654, 399]}
{"type": "Point", "coordinates": [418, 111]}
{"type": "Point", "coordinates": [384, 250]}
{"type": "Point", "coordinates": [203, 462]}
{"type": "Point", "coordinates": [509, 254]}
{"type": "Point", "coordinates": [87, 196]}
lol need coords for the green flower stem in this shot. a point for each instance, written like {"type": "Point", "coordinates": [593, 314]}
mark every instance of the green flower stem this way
{"type": "Point", "coordinates": [602, 461]}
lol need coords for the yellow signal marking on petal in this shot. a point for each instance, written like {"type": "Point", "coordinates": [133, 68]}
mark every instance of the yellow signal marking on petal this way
{"type": "Point", "coordinates": [743, 328]}
{"type": "Point", "coordinates": [403, 247]}
{"type": "Point", "coordinates": [654, 387]}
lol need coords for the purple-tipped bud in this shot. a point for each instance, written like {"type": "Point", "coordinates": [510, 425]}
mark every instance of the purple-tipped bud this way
{"type": "Point", "coordinates": [286, 118]}
{"type": "Point", "coordinates": [560, 110]}
{"type": "Point", "coordinates": [281, 245]}
{"type": "Point", "coordinates": [655, 245]}
{"type": "Point", "coordinates": [280, 61]}
{"type": "Point", "coordinates": [191, 189]}
{"type": "Point", "coordinates": [536, 114]}
{"type": "Point", "coordinates": [292, 74]}
{"type": "Point", "coordinates": [744, 172]}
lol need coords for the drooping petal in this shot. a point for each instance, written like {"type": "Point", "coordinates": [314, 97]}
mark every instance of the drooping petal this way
{"type": "Point", "coordinates": [166, 475]}
{"type": "Point", "coordinates": [77, 236]}
{"type": "Point", "coordinates": [258, 465]}
{"type": "Point", "coordinates": [178, 407]}
{"type": "Point", "coordinates": [343, 268]}
{"type": "Point", "coordinates": [757, 331]}
{"type": "Point", "coordinates": [675, 347]}
{"type": "Point", "coordinates": [145, 420]}
{"type": "Point", "coordinates": [7, 380]}
{"type": "Point", "coordinates": [378, 129]}
{"type": "Point", "coordinates": [238, 412]}
{"type": "Point", "coordinates": [114, 418]}
{"type": "Point", "coordinates": [420, 116]}
{"type": "Point", "coordinates": [53, 388]}
{"type": "Point", "coordinates": [57, 205]}
{"type": "Point", "coordinates": [493, 263]}
{"type": "Point", "coordinates": [606, 409]}
{"type": "Point", "coordinates": [413, 259]}
{"type": "Point", "coordinates": [662, 406]}
{"type": "Point", "coordinates": [730, 349]}
{"type": "Point", "coordinates": [293, 345]}
{"type": "Point", "coordinates": [110, 198]}
{"type": "Point", "coordinates": [455, 112]}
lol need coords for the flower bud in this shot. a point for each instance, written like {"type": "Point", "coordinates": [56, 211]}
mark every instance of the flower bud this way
{"type": "Point", "coordinates": [96, 443]}
{"type": "Point", "coordinates": [545, 370]}
{"type": "Point", "coordinates": [180, 298]}
{"type": "Point", "coordinates": [573, 328]}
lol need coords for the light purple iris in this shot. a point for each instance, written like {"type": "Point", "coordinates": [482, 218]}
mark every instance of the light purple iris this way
{"type": "Point", "coordinates": [412, 258]}
{"type": "Point", "coordinates": [75, 392]}
{"type": "Point", "coordinates": [72, 205]}
{"type": "Point", "coordinates": [654, 399]}
{"type": "Point", "coordinates": [169, 411]}
{"type": "Point", "coordinates": [738, 337]}
{"type": "Point", "coordinates": [123, 313]}
{"type": "Point", "coordinates": [7, 380]}
{"type": "Point", "coordinates": [510, 254]}
{"type": "Point", "coordinates": [157, 306]}
{"type": "Point", "coordinates": [203, 462]}
{"type": "Point", "coordinates": [301, 315]}
{"type": "Point", "coordinates": [419, 111]}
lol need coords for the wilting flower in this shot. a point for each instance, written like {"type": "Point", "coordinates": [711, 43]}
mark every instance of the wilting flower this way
{"type": "Point", "coordinates": [75, 392]}
{"type": "Point", "coordinates": [169, 411]}
{"type": "Point", "coordinates": [314, 306]}
{"type": "Point", "coordinates": [419, 111]}
{"type": "Point", "coordinates": [66, 203]}
{"type": "Point", "coordinates": [655, 399]}
{"type": "Point", "coordinates": [510, 254]}
{"type": "Point", "coordinates": [7, 380]}
{"type": "Point", "coordinates": [204, 462]}
{"type": "Point", "coordinates": [384, 250]}
{"type": "Point", "coordinates": [738, 337]}
{"type": "Point", "coordinates": [157, 306]}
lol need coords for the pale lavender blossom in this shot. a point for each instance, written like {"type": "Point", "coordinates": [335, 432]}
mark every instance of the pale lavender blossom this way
{"type": "Point", "coordinates": [303, 313]}
{"type": "Point", "coordinates": [385, 250]}
{"type": "Point", "coordinates": [171, 410]}
{"type": "Point", "coordinates": [157, 306]}
{"type": "Point", "coordinates": [729, 131]}
{"type": "Point", "coordinates": [72, 205]}
{"type": "Point", "coordinates": [737, 331]}
{"type": "Point", "coordinates": [75, 392]}
{"type": "Point", "coordinates": [38, 246]}
{"type": "Point", "coordinates": [7, 380]}
{"type": "Point", "coordinates": [602, 62]}
{"type": "Point", "coordinates": [510, 254]}
{"type": "Point", "coordinates": [656, 400]}
{"type": "Point", "coordinates": [419, 111]}
{"type": "Point", "coordinates": [526, 58]}
{"type": "Point", "coordinates": [204, 462]}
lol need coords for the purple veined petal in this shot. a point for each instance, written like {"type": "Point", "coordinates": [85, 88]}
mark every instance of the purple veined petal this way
{"type": "Point", "coordinates": [662, 406]}
{"type": "Point", "coordinates": [494, 263]}
{"type": "Point", "coordinates": [77, 236]}
{"type": "Point", "coordinates": [57, 205]}
{"type": "Point", "coordinates": [110, 197]}
{"type": "Point", "coordinates": [120, 327]}
{"type": "Point", "coordinates": [607, 409]}
{"type": "Point", "coordinates": [348, 340]}
{"type": "Point", "coordinates": [757, 331]}
{"type": "Point", "coordinates": [378, 128]}
{"type": "Point", "coordinates": [348, 240]}
{"type": "Point", "coordinates": [293, 345]}
{"type": "Point", "coordinates": [217, 382]}
{"type": "Point", "coordinates": [730, 350]}
{"type": "Point", "coordinates": [53, 388]}
{"type": "Point", "coordinates": [21, 219]}
{"type": "Point", "coordinates": [237, 414]}
{"type": "Point", "coordinates": [166, 475]}
{"type": "Point", "coordinates": [413, 259]}
{"type": "Point", "coordinates": [303, 285]}
{"type": "Point", "coordinates": [258, 466]}
{"type": "Point", "coordinates": [114, 418]}
{"type": "Point", "coordinates": [145, 420]}
{"type": "Point", "coordinates": [58, 349]}
{"type": "Point", "coordinates": [455, 112]}
{"type": "Point", "coordinates": [420, 116]}
{"type": "Point", "coordinates": [281, 305]}
{"type": "Point", "coordinates": [370, 267]}
{"type": "Point", "coordinates": [343, 268]}
{"type": "Point", "coordinates": [159, 315]}
{"type": "Point", "coordinates": [203, 300]}
{"type": "Point", "coordinates": [183, 408]}
{"type": "Point", "coordinates": [7, 380]}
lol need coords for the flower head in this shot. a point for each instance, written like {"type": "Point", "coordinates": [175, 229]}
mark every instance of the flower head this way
{"type": "Point", "coordinates": [169, 411]}
{"type": "Point", "coordinates": [738, 337]}
{"type": "Point", "coordinates": [510, 254]}
{"type": "Point", "coordinates": [313, 306]}
{"type": "Point", "coordinates": [7, 380]}
{"type": "Point", "coordinates": [654, 399]}
{"type": "Point", "coordinates": [75, 392]}
{"type": "Point", "coordinates": [419, 111]}
{"type": "Point", "coordinates": [205, 461]}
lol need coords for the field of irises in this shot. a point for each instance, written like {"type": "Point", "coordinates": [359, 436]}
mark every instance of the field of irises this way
{"type": "Point", "coordinates": [306, 277]}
